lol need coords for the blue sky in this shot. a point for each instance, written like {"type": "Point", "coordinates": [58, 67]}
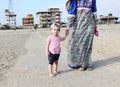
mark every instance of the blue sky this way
{"type": "Point", "coordinates": [24, 7]}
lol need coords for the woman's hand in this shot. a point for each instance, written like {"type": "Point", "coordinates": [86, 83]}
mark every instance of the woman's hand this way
{"type": "Point", "coordinates": [96, 31]}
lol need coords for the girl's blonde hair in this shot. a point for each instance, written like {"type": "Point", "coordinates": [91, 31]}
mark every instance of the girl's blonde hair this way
{"type": "Point", "coordinates": [55, 24]}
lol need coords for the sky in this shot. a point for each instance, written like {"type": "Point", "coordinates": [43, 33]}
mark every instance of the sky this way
{"type": "Point", "coordinates": [24, 7]}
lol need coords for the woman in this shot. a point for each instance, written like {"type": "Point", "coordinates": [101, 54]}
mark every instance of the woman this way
{"type": "Point", "coordinates": [82, 23]}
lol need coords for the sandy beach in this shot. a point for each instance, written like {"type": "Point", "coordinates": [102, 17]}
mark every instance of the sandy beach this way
{"type": "Point", "coordinates": [23, 62]}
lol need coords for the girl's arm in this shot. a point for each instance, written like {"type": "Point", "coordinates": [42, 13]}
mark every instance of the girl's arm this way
{"type": "Point", "coordinates": [47, 48]}
{"type": "Point", "coordinates": [66, 34]}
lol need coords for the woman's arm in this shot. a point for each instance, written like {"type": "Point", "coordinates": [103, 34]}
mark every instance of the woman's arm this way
{"type": "Point", "coordinates": [71, 6]}
{"type": "Point", "coordinates": [94, 10]}
{"type": "Point", "coordinates": [71, 20]}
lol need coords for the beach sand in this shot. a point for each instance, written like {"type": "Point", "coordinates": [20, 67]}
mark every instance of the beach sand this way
{"type": "Point", "coordinates": [23, 62]}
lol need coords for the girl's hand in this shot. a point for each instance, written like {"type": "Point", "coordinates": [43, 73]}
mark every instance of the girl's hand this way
{"type": "Point", "coordinates": [47, 53]}
{"type": "Point", "coordinates": [66, 32]}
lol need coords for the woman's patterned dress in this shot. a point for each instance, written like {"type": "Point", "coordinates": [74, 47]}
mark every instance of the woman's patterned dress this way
{"type": "Point", "coordinates": [81, 35]}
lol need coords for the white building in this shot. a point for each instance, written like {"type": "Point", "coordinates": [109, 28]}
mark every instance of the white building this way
{"type": "Point", "coordinates": [10, 18]}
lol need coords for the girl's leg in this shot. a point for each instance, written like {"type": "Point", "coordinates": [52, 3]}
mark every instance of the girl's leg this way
{"type": "Point", "coordinates": [55, 67]}
{"type": "Point", "coordinates": [50, 70]}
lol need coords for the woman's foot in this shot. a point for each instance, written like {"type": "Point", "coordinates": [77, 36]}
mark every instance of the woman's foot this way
{"type": "Point", "coordinates": [82, 69]}
{"type": "Point", "coordinates": [90, 68]}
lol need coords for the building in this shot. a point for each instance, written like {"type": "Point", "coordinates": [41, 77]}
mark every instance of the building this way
{"type": "Point", "coordinates": [55, 15]}
{"type": "Point", "coordinates": [10, 18]}
{"type": "Point", "coordinates": [28, 21]}
{"type": "Point", "coordinates": [107, 19]}
{"type": "Point", "coordinates": [46, 18]}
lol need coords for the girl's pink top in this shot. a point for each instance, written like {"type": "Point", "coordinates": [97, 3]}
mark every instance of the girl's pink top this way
{"type": "Point", "coordinates": [54, 46]}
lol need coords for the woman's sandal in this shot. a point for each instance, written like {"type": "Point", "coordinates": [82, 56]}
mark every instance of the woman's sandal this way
{"type": "Point", "coordinates": [89, 68]}
{"type": "Point", "coordinates": [82, 69]}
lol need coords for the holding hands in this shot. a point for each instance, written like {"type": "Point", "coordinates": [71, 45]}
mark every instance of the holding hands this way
{"type": "Point", "coordinates": [67, 31]}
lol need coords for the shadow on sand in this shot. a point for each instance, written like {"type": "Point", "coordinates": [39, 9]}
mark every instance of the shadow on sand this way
{"type": "Point", "coordinates": [97, 64]}
{"type": "Point", "coordinates": [102, 63]}
{"type": "Point", "coordinates": [66, 71]}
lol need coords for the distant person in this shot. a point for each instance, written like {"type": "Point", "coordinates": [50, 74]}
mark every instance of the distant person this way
{"type": "Point", "coordinates": [53, 48]}
{"type": "Point", "coordinates": [82, 23]}
{"type": "Point", "coordinates": [35, 26]}
{"type": "Point", "coordinates": [14, 28]}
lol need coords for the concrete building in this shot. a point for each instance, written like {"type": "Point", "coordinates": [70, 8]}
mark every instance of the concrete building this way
{"type": "Point", "coordinates": [28, 21]}
{"type": "Point", "coordinates": [46, 18]}
{"type": "Point", "coordinates": [108, 19]}
{"type": "Point", "coordinates": [55, 15]}
{"type": "Point", "coordinates": [10, 18]}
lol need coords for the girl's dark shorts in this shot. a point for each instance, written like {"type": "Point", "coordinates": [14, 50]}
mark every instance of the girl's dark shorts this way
{"type": "Point", "coordinates": [53, 57]}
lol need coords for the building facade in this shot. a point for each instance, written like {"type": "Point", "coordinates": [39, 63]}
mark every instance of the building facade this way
{"type": "Point", "coordinates": [108, 19]}
{"type": "Point", "coordinates": [46, 18]}
{"type": "Point", "coordinates": [28, 21]}
{"type": "Point", "coordinates": [10, 18]}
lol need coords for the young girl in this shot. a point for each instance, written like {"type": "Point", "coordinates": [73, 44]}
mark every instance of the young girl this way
{"type": "Point", "coordinates": [53, 48]}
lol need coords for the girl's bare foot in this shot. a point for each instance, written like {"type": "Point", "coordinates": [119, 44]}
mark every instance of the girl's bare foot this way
{"type": "Point", "coordinates": [51, 75]}
{"type": "Point", "coordinates": [55, 72]}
